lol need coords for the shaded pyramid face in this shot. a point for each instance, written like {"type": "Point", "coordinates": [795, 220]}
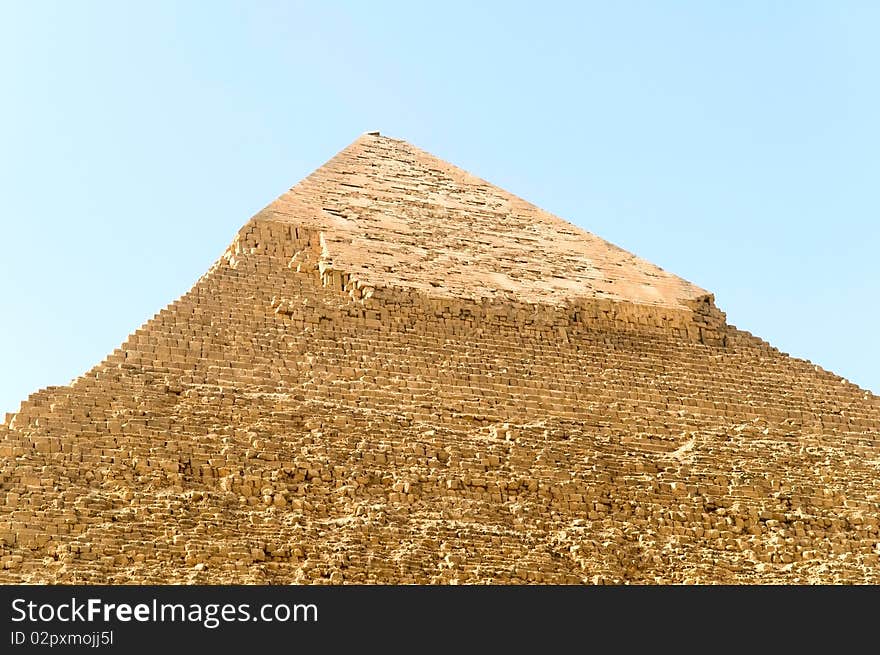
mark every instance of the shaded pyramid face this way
{"type": "Point", "coordinates": [400, 373]}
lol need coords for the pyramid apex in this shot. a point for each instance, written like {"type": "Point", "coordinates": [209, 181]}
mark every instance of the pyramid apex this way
{"type": "Point", "coordinates": [391, 214]}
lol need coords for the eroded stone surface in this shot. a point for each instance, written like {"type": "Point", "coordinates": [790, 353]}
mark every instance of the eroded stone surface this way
{"type": "Point", "coordinates": [398, 373]}
{"type": "Point", "coordinates": [388, 212]}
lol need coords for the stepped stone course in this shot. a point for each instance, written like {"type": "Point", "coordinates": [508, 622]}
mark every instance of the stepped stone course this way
{"type": "Point", "coordinates": [398, 372]}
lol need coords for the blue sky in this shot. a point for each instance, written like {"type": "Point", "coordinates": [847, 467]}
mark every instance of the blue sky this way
{"type": "Point", "coordinates": [735, 144]}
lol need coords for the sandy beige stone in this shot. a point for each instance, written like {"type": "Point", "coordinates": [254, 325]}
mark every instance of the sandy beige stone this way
{"type": "Point", "coordinates": [398, 372]}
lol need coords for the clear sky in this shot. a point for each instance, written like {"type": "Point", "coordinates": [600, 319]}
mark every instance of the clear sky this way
{"type": "Point", "coordinates": [735, 144]}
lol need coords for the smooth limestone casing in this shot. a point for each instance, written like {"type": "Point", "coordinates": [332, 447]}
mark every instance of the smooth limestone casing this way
{"type": "Point", "coordinates": [304, 414]}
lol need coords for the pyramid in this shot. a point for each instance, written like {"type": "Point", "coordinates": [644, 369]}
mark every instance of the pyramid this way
{"type": "Point", "coordinates": [400, 373]}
